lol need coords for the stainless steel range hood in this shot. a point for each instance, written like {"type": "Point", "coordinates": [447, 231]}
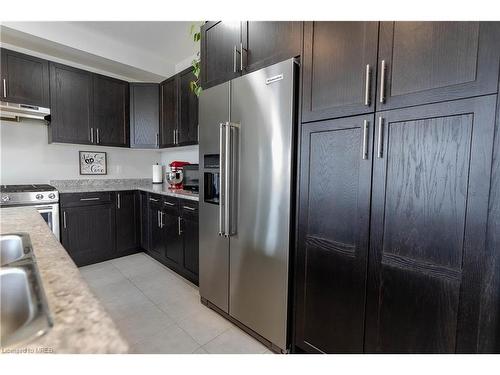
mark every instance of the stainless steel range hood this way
{"type": "Point", "coordinates": [14, 112]}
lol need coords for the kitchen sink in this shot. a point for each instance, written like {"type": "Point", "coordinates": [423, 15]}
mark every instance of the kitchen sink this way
{"type": "Point", "coordinates": [14, 247]}
{"type": "Point", "coordinates": [23, 309]}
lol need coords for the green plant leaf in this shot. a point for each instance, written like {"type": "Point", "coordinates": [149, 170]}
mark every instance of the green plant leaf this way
{"type": "Point", "coordinates": [197, 91]}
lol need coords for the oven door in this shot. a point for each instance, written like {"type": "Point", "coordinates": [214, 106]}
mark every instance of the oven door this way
{"type": "Point", "coordinates": [50, 213]}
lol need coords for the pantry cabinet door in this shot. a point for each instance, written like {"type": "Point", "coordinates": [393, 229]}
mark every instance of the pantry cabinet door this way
{"type": "Point", "coordinates": [428, 224]}
{"type": "Point", "coordinates": [334, 211]}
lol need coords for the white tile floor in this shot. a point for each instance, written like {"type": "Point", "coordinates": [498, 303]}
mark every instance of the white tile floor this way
{"type": "Point", "coordinates": [158, 311]}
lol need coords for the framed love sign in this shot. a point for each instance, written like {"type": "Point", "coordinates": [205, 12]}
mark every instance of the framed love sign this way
{"type": "Point", "coordinates": [92, 163]}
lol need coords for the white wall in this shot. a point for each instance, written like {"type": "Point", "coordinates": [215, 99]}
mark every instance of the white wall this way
{"type": "Point", "coordinates": [186, 153]}
{"type": "Point", "coordinates": [26, 157]}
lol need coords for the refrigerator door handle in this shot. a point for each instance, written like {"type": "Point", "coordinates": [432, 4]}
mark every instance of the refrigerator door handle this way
{"type": "Point", "coordinates": [222, 193]}
{"type": "Point", "coordinates": [227, 176]}
{"type": "Point", "coordinates": [231, 177]}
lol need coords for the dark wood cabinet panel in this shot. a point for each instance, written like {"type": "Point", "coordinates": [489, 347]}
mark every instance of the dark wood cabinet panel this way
{"type": "Point", "coordinates": [127, 222]}
{"type": "Point", "coordinates": [144, 220]}
{"type": "Point", "coordinates": [428, 62]}
{"type": "Point", "coordinates": [269, 42]}
{"type": "Point", "coordinates": [188, 110]}
{"type": "Point", "coordinates": [335, 78]}
{"type": "Point", "coordinates": [144, 115]}
{"type": "Point", "coordinates": [334, 208]}
{"type": "Point", "coordinates": [173, 237]}
{"type": "Point", "coordinates": [25, 79]}
{"type": "Point", "coordinates": [428, 227]}
{"type": "Point", "coordinates": [156, 236]}
{"type": "Point", "coordinates": [489, 328]}
{"type": "Point", "coordinates": [220, 45]}
{"type": "Point", "coordinates": [191, 245]}
{"type": "Point", "coordinates": [168, 112]}
{"type": "Point", "coordinates": [111, 111]}
{"type": "Point", "coordinates": [88, 233]}
{"type": "Point", "coordinates": [72, 104]}
{"type": "Point", "coordinates": [190, 236]}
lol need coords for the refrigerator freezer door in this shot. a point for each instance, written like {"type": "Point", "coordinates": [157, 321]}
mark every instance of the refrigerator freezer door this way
{"type": "Point", "coordinates": [262, 104]}
{"type": "Point", "coordinates": [214, 249]}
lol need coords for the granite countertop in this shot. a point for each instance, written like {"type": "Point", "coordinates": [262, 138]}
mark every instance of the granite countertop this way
{"type": "Point", "coordinates": [81, 325]}
{"type": "Point", "coordinates": [87, 186]}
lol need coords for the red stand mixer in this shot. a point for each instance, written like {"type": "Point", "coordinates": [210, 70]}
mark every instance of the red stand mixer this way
{"type": "Point", "coordinates": [175, 175]}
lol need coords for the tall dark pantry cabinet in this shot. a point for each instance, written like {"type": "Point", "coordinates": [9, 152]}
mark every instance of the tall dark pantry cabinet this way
{"type": "Point", "coordinates": [396, 244]}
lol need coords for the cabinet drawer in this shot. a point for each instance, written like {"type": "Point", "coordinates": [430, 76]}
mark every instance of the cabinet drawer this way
{"type": "Point", "coordinates": [188, 208]}
{"type": "Point", "coordinates": [84, 199]}
{"type": "Point", "coordinates": [155, 199]}
{"type": "Point", "coordinates": [171, 205]}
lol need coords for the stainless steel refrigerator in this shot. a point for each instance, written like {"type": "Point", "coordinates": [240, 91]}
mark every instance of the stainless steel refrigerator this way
{"type": "Point", "coordinates": [246, 160]}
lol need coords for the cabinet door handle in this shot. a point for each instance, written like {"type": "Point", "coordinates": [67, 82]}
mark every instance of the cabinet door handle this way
{"type": "Point", "coordinates": [169, 203]}
{"type": "Point", "coordinates": [90, 199]}
{"type": "Point", "coordinates": [64, 219]}
{"type": "Point", "coordinates": [153, 200]}
{"type": "Point", "coordinates": [161, 218]}
{"type": "Point", "coordinates": [4, 88]}
{"type": "Point", "coordinates": [365, 140]}
{"type": "Point", "coordinates": [97, 136]}
{"type": "Point", "coordinates": [368, 75]}
{"type": "Point", "coordinates": [118, 200]}
{"type": "Point", "coordinates": [91, 135]}
{"type": "Point", "coordinates": [234, 59]}
{"type": "Point", "coordinates": [173, 134]}
{"type": "Point", "coordinates": [189, 208]}
{"type": "Point", "coordinates": [380, 135]}
{"type": "Point", "coordinates": [157, 140]}
{"type": "Point", "coordinates": [179, 225]}
{"type": "Point", "coordinates": [382, 81]}
{"type": "Point", "coordinates": [158, 218]}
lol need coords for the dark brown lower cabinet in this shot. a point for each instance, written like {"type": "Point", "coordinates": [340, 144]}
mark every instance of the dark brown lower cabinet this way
{"type": "Point", "coordinates": [173, 237]}
{"type": "Point", "coordinates": [127, 222]}
{"type": "Point", "coordinates": [334, 207]}
{"type": "Point", "coordinates": [88, 233]}
{"type": "Point", "coordinates": [190, 236]}
{"type": "Point", "coordinates": [427, 221]}
{"type": "Point", "coordinates": [144, 220]}
{"type": "Point", "coordinates": [156, 237]}
{"type": "Point", "coordinates": [173, 234]}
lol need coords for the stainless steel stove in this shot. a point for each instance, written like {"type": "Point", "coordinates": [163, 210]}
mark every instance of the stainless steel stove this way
{"type": "Point", "coordinates": [44, 198]}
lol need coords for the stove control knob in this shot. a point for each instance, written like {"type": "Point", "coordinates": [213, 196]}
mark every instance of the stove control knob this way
{"type": "Point", "coordinates": [5, 198]}
{"type": "Point", "coordinates": [39, 196]}
{"type": "Point", "coordinates": [52, 195]}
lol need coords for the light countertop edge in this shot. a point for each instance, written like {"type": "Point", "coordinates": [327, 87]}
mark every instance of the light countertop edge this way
{"type": "Point", "coordinates": [81, 324]}
{"type": "Point", "coordinates": [160, 189]}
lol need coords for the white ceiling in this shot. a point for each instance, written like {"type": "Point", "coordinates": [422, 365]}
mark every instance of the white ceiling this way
{"type": "Point", "coordinates": [130, 49]}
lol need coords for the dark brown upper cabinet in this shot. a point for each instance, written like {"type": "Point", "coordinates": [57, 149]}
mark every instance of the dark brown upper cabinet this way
{"type": "Point", "coordinates": [333, 237]}
{"type": "Point", "coordinates": [427, 62]}
{"type": "Point", "coordinates": [178, 111]}
{"type": "Point", "coordinates": [25, 79]}
{"type": "Point", "coordinates": [169, 112]}
{"type": "Point", "coordinates": [188, 110]}
{"type": "Point", "coordinates": [220, 46]}
{"type": "Point", "coordinates": [431, 173]}
{"type": "Point", "coordinates": [111, 111]}
{"type": "Point", "coordinates": [144, 115]}
{"type": "Point", "coordinates": [268, 42]}
{"type": "Point", "coordinates": [339, 69]}
{"type": "Point", "coordinates": [72, 103]}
